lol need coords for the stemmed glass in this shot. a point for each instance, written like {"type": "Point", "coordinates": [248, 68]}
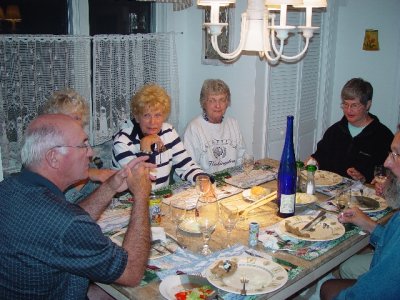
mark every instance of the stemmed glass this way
{"type": "Point", "coordinates": [203, 185]}
{"type": "Point", "coordinates": [248, 163]}
{"type": "Point", "coordinates": [343, 199]}
{"type": "Point", "coordinates": [380, 174]}
{"type": "Point", "coordinates": [229, 217]}
{"type": "Point", "coordinates": [207, 216]}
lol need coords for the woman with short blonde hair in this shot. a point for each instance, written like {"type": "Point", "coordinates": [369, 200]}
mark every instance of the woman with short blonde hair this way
{"type": "Point", "coordinates": [148, 134]}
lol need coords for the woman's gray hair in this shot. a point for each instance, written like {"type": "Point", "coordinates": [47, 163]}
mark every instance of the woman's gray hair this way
{"type": "Point", "coordinates": [357, 88]}
{"type": "Point", "coordinates": [38, 141]}
{"type": "Point", "coordinates": [67, 102]}
{"type": "Point", "coordinates": [214, 86]}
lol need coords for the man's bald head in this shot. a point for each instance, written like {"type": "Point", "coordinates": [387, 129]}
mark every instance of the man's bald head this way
{"type": "Point", "coordinates": [44, 133]}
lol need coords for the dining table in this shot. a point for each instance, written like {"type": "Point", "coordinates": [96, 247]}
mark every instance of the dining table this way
{"type": "Point", "coordinates": [305, 261]}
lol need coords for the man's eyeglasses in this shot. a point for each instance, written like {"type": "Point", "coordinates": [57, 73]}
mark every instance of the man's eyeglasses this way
{"type": "Point", "coordinates": [353, 106]}
{"type": "Point", "coordinates": [393, 155]}
{"type": "Point", "coordinates": [85, 145]}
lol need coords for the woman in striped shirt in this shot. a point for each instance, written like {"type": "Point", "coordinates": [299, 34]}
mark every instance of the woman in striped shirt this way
{"type": "Point", "coordinates": [148, 134]}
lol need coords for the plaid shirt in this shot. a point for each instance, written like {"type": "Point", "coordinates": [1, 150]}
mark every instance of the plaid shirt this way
{"type": "Point", "coordinates": [50, 248]}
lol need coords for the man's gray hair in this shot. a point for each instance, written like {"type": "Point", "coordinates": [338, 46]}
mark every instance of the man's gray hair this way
{"type": "Point", "coordinates": [38, 141]}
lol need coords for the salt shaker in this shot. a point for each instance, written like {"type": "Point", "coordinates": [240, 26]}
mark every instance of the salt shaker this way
{"type": "Point", "coordinates": [310, 184]}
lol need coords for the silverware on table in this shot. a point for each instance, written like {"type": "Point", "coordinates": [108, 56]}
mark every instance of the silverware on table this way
{"type": "Point", "coordinates": [320, 215]}
{"type": "Point", "coordinates": [243, 280]}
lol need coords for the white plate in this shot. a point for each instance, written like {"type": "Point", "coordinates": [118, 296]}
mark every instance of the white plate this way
{"type": "Point", "coordinates": [325, 178]}
{"type": "Point", "coordinates": [264, 276]}
{"type": "Point", "coordinates": [118, 238]}
{"type": "Point", "coordinates": [382, 202]}
{"type": "Point", "coordinates": [326, 230]}
{"type": "Point", "coordinates": [247, 194]}
{"type": "Point", "coordinates": [190, 225]}
{"type": "Point", "coordinates": [175, 283]}
{"type": "Point", "coordinates": [305, 199]}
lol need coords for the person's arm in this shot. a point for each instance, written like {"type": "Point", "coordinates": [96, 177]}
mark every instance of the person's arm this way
{"type": "Point", "coordinates": [98, 201]}
{"type": "Point", "coordinates": [137, 237]}
{"type": "Point", "coordinates": [100, 175]}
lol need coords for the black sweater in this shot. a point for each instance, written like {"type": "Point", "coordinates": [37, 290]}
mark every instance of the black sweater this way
{"type": "Point", "coordinates": [338, 150]}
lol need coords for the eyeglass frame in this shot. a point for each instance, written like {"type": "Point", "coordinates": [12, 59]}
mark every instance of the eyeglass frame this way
{"type": "Point", "coordinates": [352, 106]}
{"type": "Point", "coordinates": [85, 145]}
{"type": "Point", "coordinates": [393, 155]}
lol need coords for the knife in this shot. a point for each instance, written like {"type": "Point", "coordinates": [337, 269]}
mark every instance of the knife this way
{"type": "Point", "coordinates": [320, 215]}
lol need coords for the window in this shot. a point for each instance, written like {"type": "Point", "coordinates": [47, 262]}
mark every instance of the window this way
{"type": "Point", "coordinates": [34, 17]}
{"type": "Point", "coordinates": [119, 17]}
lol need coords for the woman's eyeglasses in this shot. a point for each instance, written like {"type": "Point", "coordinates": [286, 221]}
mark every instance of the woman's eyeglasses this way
{"type": "Point", "coordinates": [353, 106]}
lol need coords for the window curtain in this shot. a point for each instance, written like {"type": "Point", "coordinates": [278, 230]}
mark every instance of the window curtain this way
{"type": "Point", "coordinates": [177, 4]}
{"type": "Point", "coordinates": [121, 65]}
{"type": "Point", "coordinates": [31, 69]}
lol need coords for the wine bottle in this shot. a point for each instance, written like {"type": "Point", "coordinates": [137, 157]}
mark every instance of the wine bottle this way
{"type": "Point", "coordinates": [286, 196]}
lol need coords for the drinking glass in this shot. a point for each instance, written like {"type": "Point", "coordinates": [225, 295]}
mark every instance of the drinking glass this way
{"type": "Point", "coordinates": [248, 163]}
{"type": "Point", "coordinates": [203, 185]}
{"type": "Point", "coordinates": [343, 199]}
{"type": "Point", "coordinates": [178, 209]}
{"type": "Point", "coordinates": [380, 174]}
{"type": "Point", "coordinates": [229, 216]}
{"type": "Point", "coordinates": [207, 216]}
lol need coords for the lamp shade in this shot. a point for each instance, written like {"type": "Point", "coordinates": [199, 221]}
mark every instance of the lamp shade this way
{"type": "Point", "coordinates": [13, 13]}
{"type": "Point", "coordinates": [1, 13]}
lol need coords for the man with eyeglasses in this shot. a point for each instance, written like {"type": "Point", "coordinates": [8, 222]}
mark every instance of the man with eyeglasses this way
{"type": "Point", "coordinates": [50, 248]}
{"type": "Point", "coordinates": [357, 143]}
{"type": "Point", "coordinates": [382, 279]}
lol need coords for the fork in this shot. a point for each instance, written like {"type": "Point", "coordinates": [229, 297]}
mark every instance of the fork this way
{"type": "Point", "coordinates": [243, 280]}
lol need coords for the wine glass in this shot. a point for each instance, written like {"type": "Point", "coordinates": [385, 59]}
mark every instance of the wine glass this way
{"type": "Point", "coordinates": [229, 216]}
{"type": "Point", "coordinates": [380, 174]}
{"type": "Point", "coordinates": [207, 216]}
{"type": "Point", "coordinates": [203, 185]}
{"type": "Point", "coordinates": [178, 213]}
{"type": "Point", "coordinates": [343, 199]}
{"type": "Point", "coordinates": [248, 163]}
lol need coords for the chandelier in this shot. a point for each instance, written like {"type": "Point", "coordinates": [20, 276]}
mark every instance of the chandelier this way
{"type": "Point", "coordinates": [259, 33]}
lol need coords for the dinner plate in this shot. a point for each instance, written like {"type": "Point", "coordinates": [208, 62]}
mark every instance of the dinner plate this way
{"type": "Point", "coordinates": [158, 249]}
{"type": "Point", "coordinates": [382, 202]}
{"type": "Point", "coordinates": [305, 199]}
{"type": "Point", "coordinates": [189, 225]}
{"type": "Point", "coordinates": [326, 230]}
{"type": "Point", "coordinates": [325, 178]}
{"type": "Point", "coordinates": [247, 195]}
{"type": "Point", "coordinates": [264, 276]}
{"type": "Point", "coordinates": [173, 284]}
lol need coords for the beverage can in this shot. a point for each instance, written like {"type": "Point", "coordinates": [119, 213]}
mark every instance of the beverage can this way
{"type": "Point", "coordinates": [155, 209]}
{"type": "Point", "coordinates": [254, 228]}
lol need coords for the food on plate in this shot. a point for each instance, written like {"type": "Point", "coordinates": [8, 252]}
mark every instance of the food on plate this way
{"type": "Point", "coordinates": [224, 268]}
{"type": "Point", "coordinates": [257, 192]}
{"type": "Point", "coordinates": [295, 230]}
{"type": "Point", "coordinates": [303, 198]}
{"type": "Point", "coordinates": [197, 293]}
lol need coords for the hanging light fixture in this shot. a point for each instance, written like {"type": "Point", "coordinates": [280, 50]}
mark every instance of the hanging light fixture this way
{"type": "Point", "coordinates": [259, 33]}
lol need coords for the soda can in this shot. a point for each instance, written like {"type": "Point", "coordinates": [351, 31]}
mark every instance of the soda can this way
{"type": "Point", "coordinates": [155, 209]}
{"type": "Point", "coordinates": [254, 228]}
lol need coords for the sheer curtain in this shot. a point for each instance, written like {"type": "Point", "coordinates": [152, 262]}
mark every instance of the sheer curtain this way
{"type": "Point", "coordinates": [31, 68]}
{"type": "Point", "coordinates": [121, 65]}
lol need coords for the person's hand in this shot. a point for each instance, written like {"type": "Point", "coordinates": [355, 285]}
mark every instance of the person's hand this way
{"type": "Point", "coordinates": [100, 175]}
{"type": "Point", "coordinates": [136, 167]}
{"type": "Point", "coordinates": [310, 161]}
{"type": "Point", "coordinates": [357, 217]}
{"type": "Point", "coordinates": [138, 182]}
{"type": "Point", "coordinates": [148, 140]}
{"type": "Point", "coordinates": [355, 174]}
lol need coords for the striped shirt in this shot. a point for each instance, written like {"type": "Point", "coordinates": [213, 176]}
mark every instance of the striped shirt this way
{"type": "Point", "coordinates": [126, 146]}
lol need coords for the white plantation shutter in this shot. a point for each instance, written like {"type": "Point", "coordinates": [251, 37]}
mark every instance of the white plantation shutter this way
{"type": "Point", "coordinates": [292, 90]}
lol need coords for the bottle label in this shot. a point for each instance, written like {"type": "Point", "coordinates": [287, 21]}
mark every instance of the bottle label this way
{"type": "Point", "coordinates": [287, 203]}
{"type": "Point", "coordinates": [310, 189]}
